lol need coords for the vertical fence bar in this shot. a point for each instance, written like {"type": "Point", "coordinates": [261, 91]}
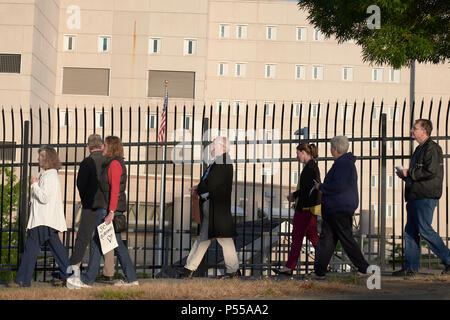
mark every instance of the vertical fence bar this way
{"type": "Point", "coordinates": [23, 208]}
{"type": "Point", "coordinates": [447, 134]}
{"type": "Point", "coordinates": [383, 193]}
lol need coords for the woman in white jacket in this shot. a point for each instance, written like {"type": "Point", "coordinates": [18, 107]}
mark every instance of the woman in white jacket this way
{"type": "Point", "coordinates": [46, 219]}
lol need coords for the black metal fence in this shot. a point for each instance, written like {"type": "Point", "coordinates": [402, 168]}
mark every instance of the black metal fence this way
{"type": "Point", "coordinates": [262, 141]}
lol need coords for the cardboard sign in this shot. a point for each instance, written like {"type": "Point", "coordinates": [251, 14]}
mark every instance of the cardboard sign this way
{"type": "Point", "coordinates": [107, 237]}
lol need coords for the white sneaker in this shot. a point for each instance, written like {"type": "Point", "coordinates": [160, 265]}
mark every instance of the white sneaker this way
{"type": "Point", "coordinates": [74, 282]}
{"type": "Point", "coordinates": [76, 270]}
{"type": "Point", "coordinates": [122, 283]}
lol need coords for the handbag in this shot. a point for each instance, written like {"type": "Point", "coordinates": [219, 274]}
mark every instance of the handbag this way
{"type": "Point", "coordinates": [119, 223]}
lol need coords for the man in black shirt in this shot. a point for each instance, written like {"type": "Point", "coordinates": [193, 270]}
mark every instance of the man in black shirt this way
{"type": "Point", "coordinates": [88, 185]}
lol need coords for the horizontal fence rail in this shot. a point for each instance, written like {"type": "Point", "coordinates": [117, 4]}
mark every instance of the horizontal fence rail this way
{"type": "Point", "coordinates": [262, 141]}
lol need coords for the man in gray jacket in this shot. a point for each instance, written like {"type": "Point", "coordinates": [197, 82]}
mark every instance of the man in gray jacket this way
{"type": "Point", "coordinates": [423, 188]}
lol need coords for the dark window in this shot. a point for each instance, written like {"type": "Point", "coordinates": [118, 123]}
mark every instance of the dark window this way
{"type": "Point", "coordinates": [7, 151]}
{"type": "Point", "coordinates": [181, 84]}
{"type": "Point", "coordinates": [86, 81]}
{"type": "Point", "coordinates": [10, 63]}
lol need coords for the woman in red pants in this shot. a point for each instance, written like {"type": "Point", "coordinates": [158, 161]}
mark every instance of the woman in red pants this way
{"type": "Point", "coordinates": [307, 206]}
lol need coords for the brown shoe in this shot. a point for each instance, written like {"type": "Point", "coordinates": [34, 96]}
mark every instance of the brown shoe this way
{"type": "Point", "coordinates": [13, 285]}
{"type": "Point", "coordinates": [58, 283]}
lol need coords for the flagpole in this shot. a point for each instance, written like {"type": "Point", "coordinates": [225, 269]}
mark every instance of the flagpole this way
{"type": "Point", "coordinates": [163, 183]}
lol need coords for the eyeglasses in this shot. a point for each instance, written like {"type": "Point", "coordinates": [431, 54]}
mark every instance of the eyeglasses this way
{"type": "Point", "coordinates": [416, 128]}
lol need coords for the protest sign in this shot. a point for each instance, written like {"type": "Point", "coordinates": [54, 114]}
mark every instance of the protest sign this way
{"type": "Point", "coordinates": [107, 237]}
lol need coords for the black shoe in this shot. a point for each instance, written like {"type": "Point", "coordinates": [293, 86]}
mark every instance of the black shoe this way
{"type": "Point", "coordinates": [232, 275]}
{"type": "Point", "coordinates": [282, 272]}
{"type": "Point", "coordinates": [105, 279]}
{"type": "Point", "coordinates": [319, 277]}
{"type": "Point", "coordinates": [184, 272]}
{"type": "Point", "coordinates": [446, 271]}
{"type": "Point", "coordinates": [404, 273]}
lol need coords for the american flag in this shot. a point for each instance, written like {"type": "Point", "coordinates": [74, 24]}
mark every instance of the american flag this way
{"type": "Point", "coordinates": [162, 127]}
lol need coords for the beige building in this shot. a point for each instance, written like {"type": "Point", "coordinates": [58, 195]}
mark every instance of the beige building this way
{"type": "Point", "coordinates": [81, 54]}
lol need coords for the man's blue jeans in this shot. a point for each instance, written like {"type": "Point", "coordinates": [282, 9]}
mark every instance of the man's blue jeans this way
{"type": "Point", "coordinates": [96, 254]}
{"type": "Point", "coordinates": [420, 217]}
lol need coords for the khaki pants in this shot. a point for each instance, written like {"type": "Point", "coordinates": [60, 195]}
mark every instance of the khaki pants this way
{"type": "Point", "coordinates": [108, 268]}
{"type": "Point", "coordinates": [200, 246]}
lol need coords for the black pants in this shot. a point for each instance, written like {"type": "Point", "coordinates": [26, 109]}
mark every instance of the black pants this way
{"type": "Point", "coordinates": [337, 226]}
{"type": "Point", "coordinates": [88, 223]}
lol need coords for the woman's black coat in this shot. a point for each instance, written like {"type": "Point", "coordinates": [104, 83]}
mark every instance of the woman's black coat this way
{"type": "Point", "coordinates": [219, 184]}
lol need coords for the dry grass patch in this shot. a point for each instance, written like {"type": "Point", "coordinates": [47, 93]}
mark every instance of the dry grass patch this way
{"type": "Point", "coordinates": [215, 289]}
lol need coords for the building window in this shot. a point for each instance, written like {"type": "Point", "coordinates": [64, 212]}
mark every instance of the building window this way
{"type": "Point", "coordinates": [298, 110]}
{"type": "Point", "coordinates": [151, 121]}
{"type": "Point", "coordinates": [154, 45]}
{"type": "Point", "coordinates": [224, 31]}
{"type": "Point", "coordinates": [10, 63]}
{"type": "Point", "coordinates": [64, 119]}
{"type": "Point", "coordinates": [374, 144]}
{"type": "Point", "coordinates": [69, 42]}
{"type": "Point", "coordinates": [392, 144]}
{"type": "Point", "coordinates": [394, 75]}
{"type": "Point", "coordinates": [271, 33]}
{"type": "Point", "coordinates": [241, 69]}
{"type": "Point", "coordinates": [373, 180]}
{"type": "Point", "coordinates": [269, 107]}
{"type": "Point", "coordinates": [315, 112]}
{"type": "Point", "coordinates": [390, 211]}
{"type": "Point", "coordinates": [377, 75]}
{"type": "Point", "coordinates": [100, 119]}
{"type": "Point", "coordinates": [301, 33]}
{"type": "Point", "coordinates": [241, 31]}
{"type": "Point", "coordinates": [239, 107]}
{"type": "Point", "coordinates": [376, 113]}
{"type": "Point", "coordinates": [294, 178]}
{"type": "Point", "coordinates": [347, 73]}
{"type": "Point", "coordinates": [85, 81]}
{"type": "Point", "coordinates": [222, 107]}
{"type": "Point", "coordinates": [390, 180]}
{"type": "Point", "coordinates": [222, 69]}
{"type": "Point", "coordinates": [318, 36]}
{"type": "Point", "coordinates": [348, 112]}
{"type": "Point", "coordinates": [7, 150]}
{"type": "Point", "coordinates": [270, 70]}
{"type": "Point", "coordinates": [182, 84]}
{"type": "Point", "coordinates": [190, 47]}
{"type": "Point", "coordinates": [300, 72]}
{"type": "Point", "coordinates": [187, 122]}
{"type": "Point", "coordinates": [104, 44]}
{"type": "Point", "coordinates": [317, 73]}
{"type": "Point", "coordinates": [394, 114]}
{"type": "Point", "coordinates": [374, 209]}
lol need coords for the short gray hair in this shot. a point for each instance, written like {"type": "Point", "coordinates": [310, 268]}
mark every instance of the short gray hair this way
{"type": "Point", "coordinates": [95, 141]}
{"type": "Point", "coordinates": [340, 143]}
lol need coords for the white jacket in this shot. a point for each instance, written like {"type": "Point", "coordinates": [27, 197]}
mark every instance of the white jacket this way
{"type": "Point", "coordinates": [46, 202]}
